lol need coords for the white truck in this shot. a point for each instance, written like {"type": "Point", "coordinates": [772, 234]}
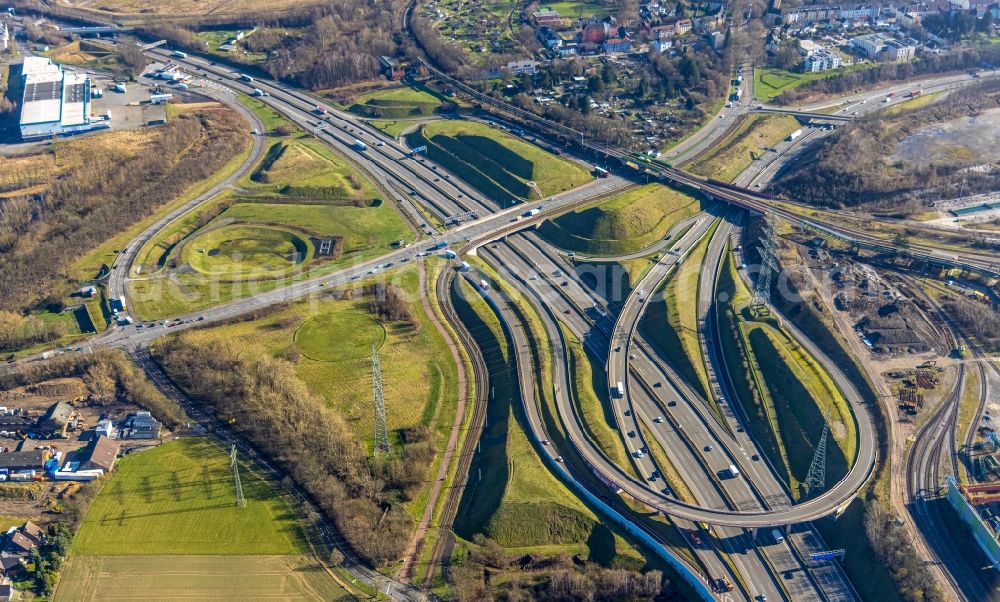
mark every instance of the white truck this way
{"type": "Point", "coordinates": [619, 390]}
{"type": "Point", "coordinates": [245, 77]}
{"type": "Point", "coordinates": [733, 471]}
{"type": "Point", "coordinates": [360, 145]}
{"type": "Point", "coordinates": [794, 135]}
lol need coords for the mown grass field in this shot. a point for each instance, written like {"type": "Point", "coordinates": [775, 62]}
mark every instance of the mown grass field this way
{"type": "Point", "coordinates": [571, 9]}
{"type": "Point", "coordinates": [625, 223]}
{"type": "Point", "coordinates": [307, 167]}
{"type": "Point", "coordinates": [503, 167]}
{"type": "Point", "coordinates": [340, 203]}
{"type": "Point", "coordinates": [364, 229]}
{"type": "Point", "coordinates": [770, 82]}
{"type": "Point", "coordinates": [396, 103]}
{"type": "Point", "coordinates": [279, 578]}
{"type": "Point", "coordinates": [671, 319]}
{"type": "Point", "coordinates": [247, 251]}
{"type": "Point", "coordinates": [736, 152]}
{"type": "Point", "coordinates": [335, 339]}
{"type": "Point", "coordinates": [179, 498]}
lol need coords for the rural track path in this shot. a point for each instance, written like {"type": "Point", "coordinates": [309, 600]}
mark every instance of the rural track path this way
{"type": "Point", "coordinates": [412, 554]}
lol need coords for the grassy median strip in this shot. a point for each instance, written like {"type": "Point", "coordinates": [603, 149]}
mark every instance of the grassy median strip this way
{"type": "Point", "coordinates": [968, 406]}
{"type": "Point", "coordinates": [730, 157]}
{"type": "Point", "coordinates": [783, 391]}
{"type": "Point", "coordinates": [671, 319]}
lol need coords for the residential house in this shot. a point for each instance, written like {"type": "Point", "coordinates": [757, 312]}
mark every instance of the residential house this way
{"type": "Point", "coordinates": [100, 454]}
{"type": "Point", "coordinates": [10, 565]}
{"type": "Point", "coordinates": [596, 32]}
{"type": "Point", "coordinates": [618, 45]}
{"type": "Point", "coordinates": [522, 67]}
{"type": "Point", "coordinates": [661, 45]}
{"type": "Point", "coordinates": [546, 18]}
{"type": "Point", "coordinates": [884, 48]}
{"type": "Point", "coordinates": [896, 51]}
{"type": "Point", "coordinates": [682, 26]}
{"type": "Point", "coordinates": [808, 47]}
{"type": "Point", "coordinates": [822, 60]}
{"type": "Point", "coordinates": [23, 539]}
{"type": "Point", "coordinates": [549, 38]}
{"type": "Point", "coordinates": [715, 39]}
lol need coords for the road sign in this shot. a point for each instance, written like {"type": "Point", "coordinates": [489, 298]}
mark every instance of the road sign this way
{"type": "Point", "coordinates": [828, 555]}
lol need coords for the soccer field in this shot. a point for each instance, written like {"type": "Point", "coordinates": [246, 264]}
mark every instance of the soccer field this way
{"type": "Point", "coordinates": [179, 498]}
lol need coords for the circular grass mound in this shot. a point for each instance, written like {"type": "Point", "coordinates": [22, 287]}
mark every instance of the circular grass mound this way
{"type": "Point", "coordinates": [243, 250]}
{"type": "Point", "coordinates": [339, 336]}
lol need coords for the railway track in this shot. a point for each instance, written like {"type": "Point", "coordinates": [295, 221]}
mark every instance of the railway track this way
{"type": "Point", "coordinates": [445, 542]}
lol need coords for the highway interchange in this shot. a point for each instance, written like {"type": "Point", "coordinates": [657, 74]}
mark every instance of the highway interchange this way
{"type": "Point", "coordinates": [656, 402]}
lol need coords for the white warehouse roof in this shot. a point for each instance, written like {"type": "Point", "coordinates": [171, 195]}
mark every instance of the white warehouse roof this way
{"type": "Point", "coordinates": [43, 88]}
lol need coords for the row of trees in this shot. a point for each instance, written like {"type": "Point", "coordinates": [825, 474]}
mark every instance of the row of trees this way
{"type": "Point", "coordinates": [266, 402]}
{"type": "Point", "coordinates": [854, 165]}
{"type": "Point", "coordinates": [18, 331]}
{"type": "Point", "coordinates": [109, 375]}
{"type": "Point", "coordinates": [557, 579]}
{"type": "Point", "coordinates": [892, 544]}
{"type": "Point", "coordinates": [978, 320]}
{"type": "Point", "coordinates": [87, 202]}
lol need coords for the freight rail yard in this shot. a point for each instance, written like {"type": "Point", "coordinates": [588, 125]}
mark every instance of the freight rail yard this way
{"type": "Point", "coordinates": [502, 346]}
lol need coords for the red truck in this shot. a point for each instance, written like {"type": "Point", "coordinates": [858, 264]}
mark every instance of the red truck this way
{"type": "Point", "coordinates": [915, 93]}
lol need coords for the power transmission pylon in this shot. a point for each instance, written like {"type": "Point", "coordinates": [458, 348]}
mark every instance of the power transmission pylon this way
{"type": "Point", "coordinates": [816, 478]}
{"type": "Point", "coordinates": [381, 430]}
{"type": "Point", "coordinates": [241, 501]}
{"type": "Point", "coordinates": [768, 266]}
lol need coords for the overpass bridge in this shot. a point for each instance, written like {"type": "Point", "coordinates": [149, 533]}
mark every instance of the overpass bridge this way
{"type": "Point", "coordinates": [802, 114]}
{"type": "Point", "coordinates": [96, 29]}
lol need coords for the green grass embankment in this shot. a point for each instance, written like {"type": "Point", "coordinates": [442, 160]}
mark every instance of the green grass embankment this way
{"type": "Point", "coordinates": [502, 167]}
{"type": "Point", "coordinates": [625, 223]}
{"type": "Point", "coordinates": [730, 157]}
{"type": "Point", "coordinates": [782, 390]}
{"type": "Point", "coordinates": [671, 319]}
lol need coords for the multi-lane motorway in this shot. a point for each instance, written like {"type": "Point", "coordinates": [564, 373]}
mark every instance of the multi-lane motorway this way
{"type": "Point", "coordinates": [654, 402]}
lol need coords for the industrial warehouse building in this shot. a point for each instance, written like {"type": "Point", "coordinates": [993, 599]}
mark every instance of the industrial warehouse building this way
{"type": "Point", "coordinates": [55, 102]}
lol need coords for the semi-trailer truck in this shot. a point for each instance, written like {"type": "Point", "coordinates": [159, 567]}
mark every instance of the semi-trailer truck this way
{"type": "Point", "coordinates": [245, 77]}
{"type": "Point", "coordinates": [794, 135]}
{"type": "Point", "coordinates": [180, 55]}
{"type": "Point", "coordinates": [619, 390]}
{"type": "Point", "coordinates": [733, 471]}
{"type": "Point", "coordinates": [360, 145]}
